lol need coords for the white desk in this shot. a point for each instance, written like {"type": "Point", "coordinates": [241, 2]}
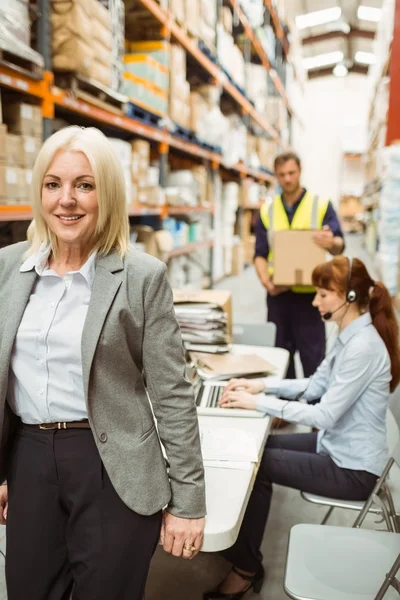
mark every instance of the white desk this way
{"type": "Point", "coordinates": [228, 490]}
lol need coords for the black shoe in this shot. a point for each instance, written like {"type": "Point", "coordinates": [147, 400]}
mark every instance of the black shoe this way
{"type": "Point", "coordinates": [256, 582]}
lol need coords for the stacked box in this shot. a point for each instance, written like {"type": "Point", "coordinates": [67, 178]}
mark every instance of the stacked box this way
{"type": "Point", "coordinates": [146, 76]}
{"type": "Point", "coordinates": [82, 39]}
{"type": "Point", "coordinates": [124, 154]}
{"type": "Point", "coordinates": [226, 19]}
{"type": "Point", "coordinates": [117, 14]}
{"type": "Point", "coordinates": [177, 9]}
{"type": "Point", "coordinates": [198, 111]}
{"type": "Point", "coordinates": [179, 88]}
{"type": "Point", "coordinates": [159, 50]}
{"type": "Point", "coordinates": [144, 93]}
{"type": "Point", "coordinates": [207, 22]}
{"type": "Point", "coordinates": [146, 67]}
{"type": "Point", "coordinates": [267, 151]}
{"type": "Point", "coordinates": [15, 33]}
{"type": "Point", "coordinates": [140, 162]}
{"type": "Point", "coordinates": [192, 14]}
{"type": "Point", "coordinates": [23, 119]}
{"type": "Point", "coordinates": [145, 178]}
{"type": "Point", "coordinates": [231, 57]}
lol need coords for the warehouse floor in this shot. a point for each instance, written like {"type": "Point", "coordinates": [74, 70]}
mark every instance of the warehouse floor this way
{"type": "Point", "coordinates": [175, 579]}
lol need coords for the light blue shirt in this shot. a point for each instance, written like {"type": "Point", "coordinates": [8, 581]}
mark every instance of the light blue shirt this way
{"type": "Point", "coordinates": [353, 384]}
{"type": "Point", "coordinates": [46, 383]}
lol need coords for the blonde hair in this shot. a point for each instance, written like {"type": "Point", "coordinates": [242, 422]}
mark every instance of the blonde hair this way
{"type": "Point", "coordinates": [112, 229]}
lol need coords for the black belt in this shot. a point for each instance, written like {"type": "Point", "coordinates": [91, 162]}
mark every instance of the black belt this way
{"type": "Point", "coordinates": [60, 425]}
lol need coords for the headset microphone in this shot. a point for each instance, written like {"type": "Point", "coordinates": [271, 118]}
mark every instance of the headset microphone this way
{"type": "Point", "coordinates": [328, 316]}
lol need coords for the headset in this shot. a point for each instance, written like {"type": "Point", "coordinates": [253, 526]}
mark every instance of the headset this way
{"type": "Point", "coordinates": [351, 294]}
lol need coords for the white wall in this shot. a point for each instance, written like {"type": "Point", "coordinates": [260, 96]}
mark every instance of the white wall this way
{"type": "Point", "coordinates": [331, 108]}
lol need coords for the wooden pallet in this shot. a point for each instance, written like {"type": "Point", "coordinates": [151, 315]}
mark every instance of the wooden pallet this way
{"type": "Point", "coordinates": [22, 65]}
{"type": "Point", "coordinates": [91, 91]}
{"type": "Point", "coordinates": [142, 114]}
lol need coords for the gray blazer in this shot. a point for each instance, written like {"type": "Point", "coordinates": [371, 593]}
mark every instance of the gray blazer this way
{"type": "Point", "coordinates": [130, 334]}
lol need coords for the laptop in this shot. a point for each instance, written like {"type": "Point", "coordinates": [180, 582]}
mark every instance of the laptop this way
{"type": "Point", "coordinates": [208, 394]}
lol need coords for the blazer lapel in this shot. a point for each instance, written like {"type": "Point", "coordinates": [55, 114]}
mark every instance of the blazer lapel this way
{"type": "Point", "coordinates": [105, 286]}
{"type": "Point", "coordinates": [21, 290]}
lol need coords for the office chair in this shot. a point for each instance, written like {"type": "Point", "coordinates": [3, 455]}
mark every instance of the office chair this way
{"type": "Point", "coordinates": [380, 502]}
{"type": "Point", "coordinates": [339, 563]}
{"type": "Point", "coordinates": [255, 335]}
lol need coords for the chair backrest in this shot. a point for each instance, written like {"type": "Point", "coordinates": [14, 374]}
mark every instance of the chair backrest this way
{"type": "Point", "coordinates": [255, 335]}
{"type": "Point", "coordinates": [393, 434]}
{"type": "Point", "coordinates": [394, 404]}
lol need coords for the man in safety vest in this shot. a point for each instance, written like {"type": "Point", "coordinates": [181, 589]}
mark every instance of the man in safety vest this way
{"type": "Point", "coordinates": [299, 324]}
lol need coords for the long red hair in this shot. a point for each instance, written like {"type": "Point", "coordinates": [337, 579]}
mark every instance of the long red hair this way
{"type": "Point", "coordinates": [371, 295]}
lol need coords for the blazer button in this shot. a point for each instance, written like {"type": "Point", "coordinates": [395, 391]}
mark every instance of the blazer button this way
{"type": "Point", "coordinates": [103, 436]}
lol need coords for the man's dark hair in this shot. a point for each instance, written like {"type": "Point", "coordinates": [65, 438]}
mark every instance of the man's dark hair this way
{"type": "Point", "coordinates": [283, 158]}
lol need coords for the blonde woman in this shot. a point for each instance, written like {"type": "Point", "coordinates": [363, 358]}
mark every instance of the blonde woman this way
{"type": "Point", "coordinates": [87, 327]}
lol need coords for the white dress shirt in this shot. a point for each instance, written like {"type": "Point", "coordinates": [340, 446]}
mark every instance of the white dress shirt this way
{"type": "Point", "coordinates": [353, 385]}
{"type": "Point", "coordinates": [46, 383]}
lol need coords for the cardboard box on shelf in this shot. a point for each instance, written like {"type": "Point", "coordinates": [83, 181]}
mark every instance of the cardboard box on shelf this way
{"type": "Point", "coordinates": [30, 149]}
{"type": "Point", "coordinates": [249, 245]}
{"type": "Point", "coordinates": [147, 236]}
{"type": "Point", "coordinates": [177, 8]}
{"type": "Point", "coordinates": [177, 63]}
{"type": "Point", "coordinates": [179, 111]}
{"type": "Point", "coordinates": [221, 298]}
{"type": "Point", "coordinates": [267, 151]}
{"type": "Point", "coordinates": [245, 225]}
{"type": "Point", "coordinates": [140, 162]}
{"type": "Point", "coordinates": [198, 110]}
{"type": "Point", "coordinates": [238, 259]}
{"type": "Point", "coordinates": [350, 206]}
{"type": "Point", "coordinates": [295, 257]}
{"type": "Point", "coordinates": [3, 141]}
{"type": "Point", "coordinates": [13, 188]}
{"type": "Point", "coordinates": [142, 148]}
{"type": "Point", "coordinates": [192, 12]}
{"type": "Point", "coordinates": [156, 243]}
{"type": "Point", "coordinates": [201, 178]}
{"type": "Point", "coordinates": [227, 19]}
{"type": "Point", "coordinates": [151, 195]}
{"type": "Point", "coordinates": [14, 156]}
{"type": "Point", "coordinates": [23, 119]}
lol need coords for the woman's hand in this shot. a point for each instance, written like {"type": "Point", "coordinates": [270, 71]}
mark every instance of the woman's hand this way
{"type": "Point", "coordinates": [238, 400]}
{"type": "Point", "coordinates": [251, 386]}
{"type": "Point", "coordinates": [3, 504]}
{"type": "Point", "coordinates": [181, 537]}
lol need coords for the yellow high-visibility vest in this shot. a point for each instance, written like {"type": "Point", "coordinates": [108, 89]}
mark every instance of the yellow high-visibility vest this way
{"type": "Point", "coordinates": [309, 215]}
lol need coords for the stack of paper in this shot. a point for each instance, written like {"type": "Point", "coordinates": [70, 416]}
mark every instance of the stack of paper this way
{"type": "Point", "coordinates": [229, 365]}
{"type": "Point", "coordinates": [202, 323]}
{"type": "Point", "coordinates": [227, 447]}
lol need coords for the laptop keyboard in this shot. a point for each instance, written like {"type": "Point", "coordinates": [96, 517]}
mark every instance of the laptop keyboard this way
{"type": "Point", "coordinates": [213, 395]}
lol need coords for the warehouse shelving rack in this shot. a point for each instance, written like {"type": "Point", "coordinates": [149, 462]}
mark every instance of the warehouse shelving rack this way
{"type": "Point", "coordinates": [51, 98]}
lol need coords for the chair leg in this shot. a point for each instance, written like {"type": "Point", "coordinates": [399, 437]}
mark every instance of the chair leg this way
{"type": "Point", "coordinates": [392, 509]}
{"type": "Point", "coordinates": [363, 513]}
{"type": "Point", "coordinates": [390, 580]}
{"type": "Point", "coordinates": [328, 514]}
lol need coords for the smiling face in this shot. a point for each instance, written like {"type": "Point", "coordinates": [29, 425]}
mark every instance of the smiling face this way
{"type": "Point", "coordinates": [69, 200]}
{"type": "Point", "coordinates": [329, 301]}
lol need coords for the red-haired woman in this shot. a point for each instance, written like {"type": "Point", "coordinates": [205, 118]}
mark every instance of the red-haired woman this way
{"type": "Point", "coordinates": [348, 454]}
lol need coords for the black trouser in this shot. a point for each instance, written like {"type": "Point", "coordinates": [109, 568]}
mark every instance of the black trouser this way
{"type": "Point", "coordinates": [67, 528]}
{"type": "Point", "coordinates": [299, 327]}
{"type": "Point", "coordinates": [292, 461]}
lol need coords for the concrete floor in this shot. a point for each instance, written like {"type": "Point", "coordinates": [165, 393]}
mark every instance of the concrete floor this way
{"type": "Point", "coordinates": [175, 579]}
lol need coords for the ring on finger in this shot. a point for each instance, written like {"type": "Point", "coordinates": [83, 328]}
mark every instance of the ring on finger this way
{"type": "Point", "coordinates": [189, 547]}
